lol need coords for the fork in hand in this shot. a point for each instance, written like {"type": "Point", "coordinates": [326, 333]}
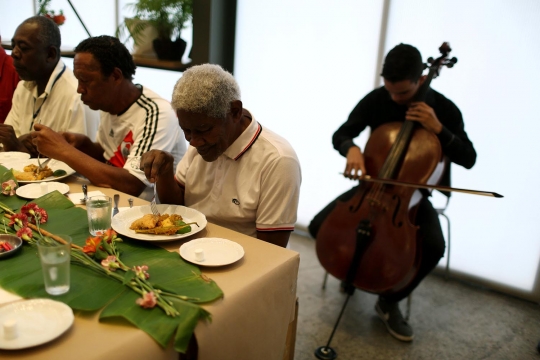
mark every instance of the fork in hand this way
{"type": "Point", "coordinates": [153, 205]}
{"type": "Point", "coordinates": [41, 165]}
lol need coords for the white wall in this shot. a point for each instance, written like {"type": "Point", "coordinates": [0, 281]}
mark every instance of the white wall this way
{"type": "Point", "coordinates": [302, 66]}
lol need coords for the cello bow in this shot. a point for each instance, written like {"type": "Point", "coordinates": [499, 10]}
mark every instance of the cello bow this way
{"type": "Point", "coordinates": [431, 187]}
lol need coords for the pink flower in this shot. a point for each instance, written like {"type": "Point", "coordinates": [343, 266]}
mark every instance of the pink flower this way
{"type": "Point", "coordinates": [148, 300]}
{"type": "Point", "coordinates": [141, 272]}
{"type": "Point", "coordinates": [110, 263]}
{"type": "Point", "coordinates": [19, 219]}
{"type": "Point", "coordinates": [9, 187]}
{"type": "Point", "coordinates": [25, 233]}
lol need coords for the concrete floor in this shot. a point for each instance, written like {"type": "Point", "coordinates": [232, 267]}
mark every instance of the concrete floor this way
{"type": "Point", "coordinates": [451, 319]}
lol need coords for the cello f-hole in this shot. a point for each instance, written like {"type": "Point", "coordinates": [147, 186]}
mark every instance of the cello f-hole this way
{"type": "Point", "coordinates": [354, 207]}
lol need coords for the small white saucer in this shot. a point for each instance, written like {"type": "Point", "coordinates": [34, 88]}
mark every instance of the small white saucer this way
{"type": "Point", "coordinates": [35, 321]}
{"type": "Point", "coordinates": [35, 190]}
{"type": "Point", "coordinates": [215, 251]}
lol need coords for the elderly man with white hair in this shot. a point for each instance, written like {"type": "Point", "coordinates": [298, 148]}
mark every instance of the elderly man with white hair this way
{"type": "Point", "coordinates": [238, 173]}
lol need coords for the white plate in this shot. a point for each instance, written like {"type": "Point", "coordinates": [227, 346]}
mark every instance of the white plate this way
{"type": "Point", "coordinates": [33, 191]}
{"type": "Point", "coordinates": [123, 220]}
{"type": "Point", "coordinates": [37, 321]}
{"type": "Point", "coordinates": [13, 155]}
{"type": "Point", "coordinates": [217, 251]}
{"type": "Point", "coordinates": [53, 165]}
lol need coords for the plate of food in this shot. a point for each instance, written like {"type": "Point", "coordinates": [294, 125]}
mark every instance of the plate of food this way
{"type": "Point", "coordinates": [174, 222]}
{"type": "Point", "coordinates": [211, 251]}
{"type": "Point", "coordinates": [33, 322]}
{"type": "Point", "coordinates": [25, 171]}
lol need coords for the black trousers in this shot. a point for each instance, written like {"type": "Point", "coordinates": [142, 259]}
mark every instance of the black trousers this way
{"type": "Point", "coordinates": [433, 244]}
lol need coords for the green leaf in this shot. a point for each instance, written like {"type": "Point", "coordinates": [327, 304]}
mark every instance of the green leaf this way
{"type": "Point", "coordinates": [128, 275]}
{"type": "Point", "coordinates": [91, 290]}
{"type": "Point", "coordinates": [6, 174]}
{"type": "Point", "coordinates": [59, 172]}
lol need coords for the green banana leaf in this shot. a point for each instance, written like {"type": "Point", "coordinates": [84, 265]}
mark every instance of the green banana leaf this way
{"type": "Point", "coordinates": [91, 290]}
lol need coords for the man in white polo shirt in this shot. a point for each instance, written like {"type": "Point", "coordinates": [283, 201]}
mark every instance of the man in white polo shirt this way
{"type": "Point", "coordinates": [48, 93]}
{"type": "Point", "coordinates": [236, 172]}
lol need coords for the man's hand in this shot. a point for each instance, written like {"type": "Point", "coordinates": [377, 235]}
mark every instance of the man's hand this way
{"type": "Point", "coordinates": [355, 167]}
{"type": "Point", "coordinates": [26, 140]}
{"type": "Point", "coordinates": [49, 142]}
{"type": "Point", "coordinates": [424, 114]}
{"type": "Point", "coordinates": [9, 139]}
{"type": "Point", "coordinates": [155, 163]}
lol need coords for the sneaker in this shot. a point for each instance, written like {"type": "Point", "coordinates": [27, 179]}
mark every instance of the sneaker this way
{"type": "Point", "coordinates": [394, 321]}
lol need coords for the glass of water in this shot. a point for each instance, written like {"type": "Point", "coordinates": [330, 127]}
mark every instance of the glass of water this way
{"type": "Point", "coordinates": [55, 259]}
{"type": "Point", "coordinates": [99, 214]}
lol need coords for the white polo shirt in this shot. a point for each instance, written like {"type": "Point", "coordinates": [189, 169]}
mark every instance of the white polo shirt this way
{"type": "Point", "coordinates": [253, 186]}
{"type": "Point", "coordinates": [59, 107]}
{"type": "Point", "coordinates": [149, 123]}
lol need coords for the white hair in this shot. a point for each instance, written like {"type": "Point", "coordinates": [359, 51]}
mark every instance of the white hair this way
{"type": "Point", "coordinates": [206, 89]}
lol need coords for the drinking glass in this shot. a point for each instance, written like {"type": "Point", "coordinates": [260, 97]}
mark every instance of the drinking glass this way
{"type": "Point", "coordinates": [99, 214]}
{"type": "Point", "coordinates": [55, 261]}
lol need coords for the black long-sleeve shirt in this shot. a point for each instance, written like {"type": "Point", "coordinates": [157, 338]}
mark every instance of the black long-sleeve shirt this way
{"type": "Point", "coordinates": [377, 108]}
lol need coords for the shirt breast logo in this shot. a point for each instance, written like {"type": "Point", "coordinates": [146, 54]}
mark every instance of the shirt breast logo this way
{"type": "Point", "coordinates": [236, 202]}
{"type": "Point", "coordinates": [122, 151]}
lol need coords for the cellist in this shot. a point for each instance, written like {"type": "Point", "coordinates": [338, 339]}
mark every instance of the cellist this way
{"type": "Point", "coordinates": [402, 75]}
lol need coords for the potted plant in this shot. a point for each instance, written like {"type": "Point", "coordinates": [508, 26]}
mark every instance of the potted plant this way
{"type": "Point", "coordinates": [167, 17]}
{"type": "Point", "coordinates": [43, 9]}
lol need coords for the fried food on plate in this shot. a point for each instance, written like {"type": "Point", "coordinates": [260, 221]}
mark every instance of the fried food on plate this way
{"type": "Point", "coordinates": [158, 224]}
{"type": "Point", "coordinates": [31, 173]}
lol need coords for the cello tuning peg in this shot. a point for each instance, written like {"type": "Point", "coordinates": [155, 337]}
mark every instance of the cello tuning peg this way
{"type": "Point", "coordinates": [451, 62]}
{"type": "Point", "coordinates": [430, 60]}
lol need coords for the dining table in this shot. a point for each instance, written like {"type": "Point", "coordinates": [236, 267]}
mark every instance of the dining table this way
{"type": "Point", "coordinates": [255, 319]}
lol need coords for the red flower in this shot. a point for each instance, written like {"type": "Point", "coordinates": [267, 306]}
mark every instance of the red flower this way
{"type": "Point", "coordinates": [29, 208]}
{"type": "Point", "coordinates": [25, 233]}
{"type": "Point", "coordinates": [35, 213]}
{"type": "Point", "coordinates": [19, 219]}
{"type": "Point", "coordinates": [59, 19]}
{"type": "Point", "coordinates": [109, 235]}
{"type": "Point", "coordinates": [91, 244]}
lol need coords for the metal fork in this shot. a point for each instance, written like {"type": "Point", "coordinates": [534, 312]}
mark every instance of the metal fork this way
{"type": "Point", "coordinates": [153, 205]}
{"type": "Point", "coordinates": [41, 165]}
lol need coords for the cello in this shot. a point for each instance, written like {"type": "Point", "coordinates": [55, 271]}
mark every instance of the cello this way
{"type": "Point", "coordinates": [370, 241]}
